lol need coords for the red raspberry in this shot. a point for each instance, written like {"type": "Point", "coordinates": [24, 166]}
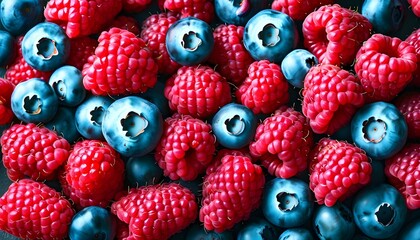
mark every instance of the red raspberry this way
{"type": "Point", "coordinates": [186, 147]}
{"type": "Point", "coordinates": [337, 170]}
{"type": "Point", "coordinates": [81, 49]}
{"type": "Point", "coordinates": [122, 230]}
{"type": "Point", "coordinates": [6, 113]}
{"type": "Point", "coordinates": [221, 153]}
{"type": "Point", "coordinates": [135, 6]}
{"type": "Point", "coordinates": [385, 65]}
{"type": "Point", "coordinates": [32, 210]}
{"type": "Point", "coordinates": [409, 105]}
{"type": "Point", "coordinates": [415, 6]}
{"type": "Point", "coordinates": [402, 171]}
{"type": "Point", "coordinates": [93, 175]}
{"type": "Point", "coordinates": [265, 89]}
{"type": "Point", "coordinates": [156, 211]}
{"type": "Point", "coordinates": [201, 9]}
{"type": "Point", "coordinates": [82, 17]}
{"type": "Point", "coordinates": [198, 91]}
{"type": "Point", "coordinates": [36, 152]}
{"type": "Point", "coordinates": [153, 32]}
{"type": "Point", "coordinates": [282, 143]}
{"type": "Point", "coordinates": [122, 65]}
{"type": "Point", "coordinates": [231, 193]}
{"type": "Point", "coordinates": [334, 34]}
{"type": "Point", "coordinates": [298, 10]}
{"type": "Point", "coordinates": [229, 55]}
{"type": "Point", "coordinates": [414, 40]}
{"type": "Point", "coordinates": [126, 23]}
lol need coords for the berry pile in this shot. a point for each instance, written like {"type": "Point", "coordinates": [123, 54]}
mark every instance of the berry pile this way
{"type": "Point", "coordinates": [210, 119]}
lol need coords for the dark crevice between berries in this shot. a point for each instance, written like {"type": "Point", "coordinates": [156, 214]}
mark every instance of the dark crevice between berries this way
{"type": "Point", "coordinates": [235, 125]}
{"type": "Point", "coordinates": [100, 236]}
{"type": "Point", "coordinates": [46, 48]}
{"type": "Point", "coordinates": [287, 201]}
{"type": "Point", "coordinates": [134, 124]}
{"type": "Point", "coordinates": [60, 89]}
{"type": "Point", "coordinates": [310, 62]}
{"type": "Point", "coordinates": [374, 130]}
{"type": "Point", "coordinates": [269, 35]}
{"type": "Point", "coordinates": [268, 233]}
{"type": "Point", "coordinates": [244, 7]}
{"type": "Point", "coordinates": [191, 41]}
{"type": "Point", "coordinates": [32, 105]}
{"type": "Point", "coordinates": [317, 230]}
{"type": "Point", "coordinates": [96, 115]}
{"type": "Point", "coordinates": [397, 14]}
{"type": "Point", "coordinates": [385, 214]}
{"type": "Point", "coordinates": [345, 214]}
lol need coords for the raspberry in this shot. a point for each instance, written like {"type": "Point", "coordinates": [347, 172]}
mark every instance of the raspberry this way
{"type": "Point", "coordinates": [93, 175]}
{"type": "Point", "coordinates": [122, 65]}
{"type": "Point", "coordinates": [282, 143]}
{"type": "Point", "coordinates": [186, 147]}
{"type": "Point", "coordinates": [135, 6]}
{"type": "Point", "coordinates": [414, 40]}
{"type": "Point", "coordinates": [298, 10]}
{"type": "Point", "coordinates": [6, 90]}
{"type": "Point", "coordinates": [265, 89]}
{"type": "Point", "coordinates": [81, 49]}
{"type": "Point", "coordinates": [32, 210]}
{"type": "Point", "coordinates": [331, 96]}
{"type": "Point", "coordinates": [385, 65]}
{"type": "Point", "coordinates": [229, 54]}
{"type": "Point", "coordinates": [83, 17]}
{"type": "Point", "coordinates": [415, 7]}
{"type": "Point", "coordinates": [156, 211]}
{"type": "Point", "coordinates": [153, 33]}
{"type": "Point", "coordinates": [337, 170]}
{"type": "Point", "coordinates": [226, 151]}
{"type": "Point", "coordinates": [231, 193]}
{"type": "Point", "coordinates": [409, 105]}
{"type": "Point", "coordinates": [201, 9]}
{"type": "Point", "coordinates": [402, 171]}
{"type": "Point", "coordinates": [36, 152]}
{"type": "Point", "coordinates": [198, 91]}
{"type": "Point", "coordinates": [334, 34]}
{"type": "Point", "coordinates": [126, 23]}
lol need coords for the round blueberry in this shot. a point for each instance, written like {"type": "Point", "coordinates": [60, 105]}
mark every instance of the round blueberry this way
{"type": "Point", "coordinates": [386, 16]}
{"type": "Point", "coordinates": [334, 222]}
{"type": "Point", "coordinates": [189, 41]}
{"type": "Point", "coordinates": [34, 101]}
{"type": "Point", "coordinates": [142, 171]}
{"type": "Point", "coordinates": [93, 222]}
{"type": "Point", "coordinates": [67, 82]}
{"type": "Point", "coordinates": [132, 126]}
{"type": "Point", "coordinates": [156, 96]}
{"type": "Point", "coordinates": [46, 46]}
{"type": "Point", "coordinates": [197, 231]}
{"type": "Point", "coordinates": [64, 123]}
{"type": "Point", "coordinates": [270, 35]}
{"type": "Point", "coordinates": [379, 129]}
{"type": "Point", "coordinates": [258, 229]}
{"type": "Point", "coordinates": [238, 12]}
{"type": "Point", "coordinates": [296, 65]}
{"type": "Point", "coordinates": [379, 211]}
{"type": "Point", "coordinates": [296, 234]}
{"type": "Point", "coordinates": [7, 48]}
{"type": "Point", "coordinates": [411, 230]}
{"type": "Point", "coordinates": [18, 16]}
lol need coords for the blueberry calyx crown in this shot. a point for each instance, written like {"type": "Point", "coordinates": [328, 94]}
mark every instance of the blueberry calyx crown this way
{"type": "Point", "coordinates": [385, 214]}
{"type": "Point", "coordinates": [97, 115]}
{"type": "Point", "coordinates": [134, 124]}
{"type": "Point", "coordinates": [235, 125]}
{"type": "Point", "coordinates": [287, 201]}
{"type": "Point", "coordinates": [46, 48]}
{"type": "Point", "coordinates": [32, 105]}
{"type": "Point", "coordinates": [191, 41]}
{"type": "Point", "coordinates": [269, 35]}
{"type": "Point", "coordinates": [60, 89]}
{"type": "Point", "coordinates": [374, 130]}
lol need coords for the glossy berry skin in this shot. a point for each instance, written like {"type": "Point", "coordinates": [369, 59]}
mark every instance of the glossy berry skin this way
{"type": "Point", "coordinates": [67, 82]}
{"type": "Point", "coordinates": [6, 90]}
{"type": "Point", "coordinates": [34, 101]}
{"type": "Point", "coordinates": [18, 16]}
{"type": "Point", "coordinates": [234, 125]}
{"type": "Point", "coordinates": [8, 47]}
{"type": "Point", "coordinates": [379, 129]}
{"type": "Point", "coordinates": [410, 231]}
{"type": "Point", "coordinates": [189, 41]}
{"type": "Point", "coordinates": [258, 229]}
{"type": "Point", "coordinates": [379, 212]}
{"type": "Point", "coordinates": [296, 65]}
{"type": "Point", "coordinates": [385, 16]}
{"type": "Point", "coordinates": [93, 222]}
{"type": "Point", "coordinates": [270, 35]}
{"type": "Point", "coordinates": [335, 222]}
{"type": "Point", "coordinates": [64, 124]}
{"type": "Point", "coordinates": [142, 171]}
{"type": "Point", "coordinates": [238, 12]}
{"type": "Point", "coordinates": [46, 46]}
{"type": "Point", "coordinates": [196, 231]}
{"type": "Point", "coordinates": [132, 126]}
{"type": "Point", "coordinates": [287, 203]}
{"type": "Point", "coordinates": [296, 234]}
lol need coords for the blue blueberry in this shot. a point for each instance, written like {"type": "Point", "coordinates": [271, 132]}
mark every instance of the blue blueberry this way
{"type": "Point", "coordinates": [270, 35]}
{"type": "Point", "coordinates": [64, 123]}
{"type": "Point", "coordinates": [386, 16]}
{"type": "Point", "coordinates": [156, 96]}
{"type": "Point", "coordinates": [93, 222]}
{"type": "Point", "coordinates": [379, 211]}
{"type": "Point", "coordinates": [7, 48]}
{"type": "Point", "coordinates": [189, 41]}
{"type": "Point", "coordinates": [18, 16]}
{"type": "Point", "coordinates": [379, 129]}
{"type": "Point", "coordinates": [296, 234]}
{"type": "Point", "coordinates": [258, 229]}
{"type": "Point", "coordinates": [46, 46]}
{"type": "Point", "coordinates": [142, 171]}
{"type": "Point", "coordinates": [67, 82]}
{"type": "Point", "coordinates": [238, 12]}
{"type": "Point", "coordinates": [34, 101]}
{"type": "Point", "coordinates": [296, 65]}
{"type": "Point", "coordinates": [287, 203]}
{"type": "Point", "coordinates": [197, 231]}
{"type": "Point", "coordinates": [411, 230]}
{"type": "Point", "coordinates": [334, 222]}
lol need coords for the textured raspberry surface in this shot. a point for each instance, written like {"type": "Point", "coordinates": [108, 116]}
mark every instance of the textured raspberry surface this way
{"type": "Point", "coordinates": [6, 90]}
{"type": "Point", "coordinates": [231, 193]}
{"type": "Point", "coordinates": [337, 170]}
{"type": "Point", "coordinates": [409, 105]}
{"type": "Point", "coordinates": [265, 89]}
{"type": "Point", "coordinates": [153, 32]}
{"type": "Point", "coordinates": [93, 175]}
{"type": "Point", "coordinates": [414, 40]}
{"type": "Point", "coordinates": [402, 171]}
{"type": "Point", "coordinates": [83, 17]}
{"type": "Point", "coordinates": [201, 9]}
{"type": "Point", "coordinates": [121, 65]}
{"type": "Point", "coordinates": [229, 54]}
{"type": "Point", "coordinates": [331, 96]}
{"type": "Point", "coordinates": [415, 6]}
{"type": "Point", "coordinates": [385, 65]}
{"type": "Point", "coordinates": [282, 143]}
{"type": "Point", "coordinates": [32, 210]}
{"type": "Point", "coordinates": [298, 10]}
{"type": "Point", "coordinates": [226, 151]}
{"type": "Point", "coordinates": [156, 211]}
{"type": "Point", "coordinates": [127, 23]}
{"type": "Point", "coordinates": [81, 49]}
{"type": "Point", "coordinates": [135, 6]}
{"type": "Point", "coordinates": [334, 34]}
{"type": "Point", "coordinates": [32, 151]}
{"type": "Point", "coordinates": [198, 91]}
{"type": "Point", "coordinates": [186, 147]}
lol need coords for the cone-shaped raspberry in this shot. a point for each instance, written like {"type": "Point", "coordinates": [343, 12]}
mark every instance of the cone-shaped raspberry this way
{"type": "Point", "coordinates": [202, 9]}
{"type": "Point", "coordinates": [409, 105]}
{"type": "Point", "coordinates": [6, 90]}
{"type": "Point", "coordinates": [298, 10]}
{"type": "Point", "coordinates": [414, 40]}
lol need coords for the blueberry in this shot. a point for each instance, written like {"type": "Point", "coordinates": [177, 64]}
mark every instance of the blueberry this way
{"type": "Point", "coordinates": [287, 203]}
{"type": "Point", "coordinates": [334, 222]}
{"type": "Point", "coordinates": [189, 41]}
{"type": "Point", "coordinates": [258, 229]}
{"type": "Point", "coordinates": [386, 16]}
{"type": "Point", "coordinates": [197, 231]}
{"type": "Point", "coordinates": [7, 48]}
{"type": "Point", "coordinates": [411, 230]}
{"type": "Point", "coordinates": [270, 35]}
{"type": "Point", "coordinates": [296, 234]}
{"type": "Point", "coordinates": [156, 96]}
{"type": "Point", "coordinates": [379, 211]}
{"type": "Point", "coordinates": [67, 82]}
{"type": "Point", "coordinates": [379, 129]}
{"type": "Point", "coordinates": [142, 171]}
{"type": "Point", "coordinates": [64, 123]}
{"type": "Point", "coordinates": [46, 46]}
{"type": "Point", "coordinates": [34, 101]}
{"type": "Point", "coordinates": [296, 65]}
{"type": "Point", "coordinates": [238, 12]}
{"type": "Point", "coordinates": [18, 16]}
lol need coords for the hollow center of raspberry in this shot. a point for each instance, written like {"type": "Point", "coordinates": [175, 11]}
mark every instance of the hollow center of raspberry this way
{"type": "Point", "coordinates": [32, 105]}
{"type": "Point", "coordinates": [385, 214]}
{"type": "Point", "coordinates": [60, 89]}
{"type": "Point", "coordinates": [374, 130]}
{"type": "Point", "coordinates": [46, 48]}
{"type": "Point", "coordinates": [96, 115]}
{"type": "Point", "coordinates": [191, 41]}
{"type": "Point", "coordinates": [287, 201]}
{"type": "Point", "coordinates": [134, 124]}
{"type": "Point", "coordinates": [235, 125]}
{"type": "Point", "coordinates": [270, 35]}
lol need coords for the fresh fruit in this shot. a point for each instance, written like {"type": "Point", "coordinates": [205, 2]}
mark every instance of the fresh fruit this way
{"type": "Point", "coordinates": [298, 10]}
{"type": "Point", "coordinates": [197, 231]}
{"type": "Point", "coordinates": [258, 229]}
{"type": "Point", "coordinates": [6, 90]}
{"type": "Point", "coordinates": [414, 40]}
{"type": "Point", "coordinates": [296, 234]}
{"type": "Point", "coordinates": [8, 48]}
{"type": "Point", "coordinates": [202, 9]}
{"type": "Point", "coordinates": [156, 96]}
{"type": "Point", "coordinates": [410, 231]}
{"type": "Point", "coordinates": [385, 16]}
{"type": "Point", "coordinates": [238, 12]}
{"type": "Point", "coordinates": [64, 124]}
{"type": "Point", "coordinates": [415, 6]}
{"type": "Point", "coordinates": [81, 49]}
{"type": "Point", "coordinates": [133, 6]}
{"type": "Point", "coordinates": [67, 82]}
{"type": "Point", "coordinates": [296, 65]}
{"type": "Point", "coordinates": [408, 104]}
{"type": "Point", "coordinates": [334, 222]}
{"type": "Point", "coordinates": [142, 171]}
{"type": "Point", "coordinates": [18, 16]}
